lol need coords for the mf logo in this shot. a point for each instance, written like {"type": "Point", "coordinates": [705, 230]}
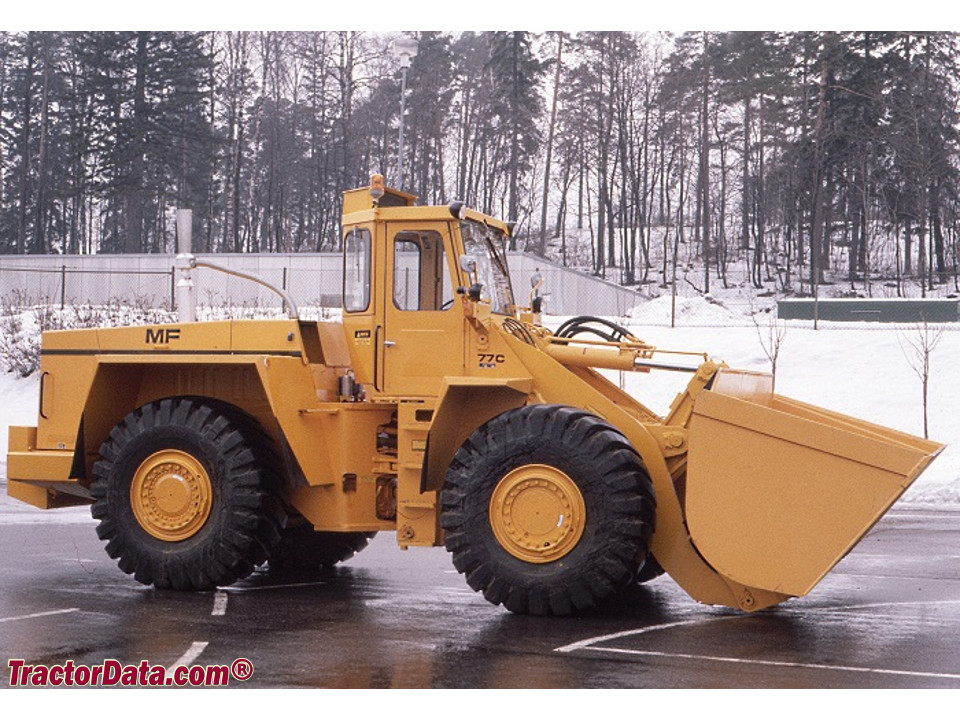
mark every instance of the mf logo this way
{"type": "Point", "coordinates": [161, 335]}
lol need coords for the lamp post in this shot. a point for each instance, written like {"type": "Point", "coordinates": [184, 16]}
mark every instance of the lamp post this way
{"type": "Point", "coordinates": [404, 49]}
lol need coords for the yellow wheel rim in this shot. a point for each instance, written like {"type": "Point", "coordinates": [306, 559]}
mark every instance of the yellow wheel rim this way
{"type": "Point", "coordinates": [171, 495]}
{"type": "Point", "coordinates": [537, 513]}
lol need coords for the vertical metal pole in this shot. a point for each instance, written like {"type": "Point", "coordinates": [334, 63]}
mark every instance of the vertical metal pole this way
{"type": "Point", "coordinates": [184, 232]}
{"type": "Point", "coordinates": [186, 295]}
{"type": "Point", "coordinates": [403, 102]}
{"type": "Point", "coordinates": [63, 286]}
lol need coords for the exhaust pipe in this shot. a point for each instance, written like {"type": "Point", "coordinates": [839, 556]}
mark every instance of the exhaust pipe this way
{"type": "Point", "coordinates": [186, 261]}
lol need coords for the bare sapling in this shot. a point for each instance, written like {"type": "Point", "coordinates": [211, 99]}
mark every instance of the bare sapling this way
{"type": "Point", "coordinates": [771, 336]}
{"type": "Point", "coordinates": [917, 347]}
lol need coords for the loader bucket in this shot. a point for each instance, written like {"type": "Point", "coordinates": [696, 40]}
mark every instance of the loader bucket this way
{"type": "Point", "coordinates": [778, 491]}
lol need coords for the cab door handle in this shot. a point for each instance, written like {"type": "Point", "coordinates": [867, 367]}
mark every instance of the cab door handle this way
{"type": "Point", "coordinates": [376, 359]}
{"type": "Point", "coordinates": [43, 384]}
{"type": "Point", "coordinates": [388, 343]}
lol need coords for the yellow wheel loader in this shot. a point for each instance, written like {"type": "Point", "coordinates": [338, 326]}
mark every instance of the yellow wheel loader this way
{"type": "Point", "coordinates": [441, 410]}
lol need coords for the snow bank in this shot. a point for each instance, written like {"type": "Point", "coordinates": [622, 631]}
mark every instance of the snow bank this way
{"type": "Point", "coordinates": [706, 311]}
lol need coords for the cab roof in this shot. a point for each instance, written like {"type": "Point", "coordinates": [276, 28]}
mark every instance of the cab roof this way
{"type": "Point", "coordinates": [361, 199]}
{"type": "Point", "coordinates": [400, 205]}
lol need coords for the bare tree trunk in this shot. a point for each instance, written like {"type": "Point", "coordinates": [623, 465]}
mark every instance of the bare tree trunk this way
{"type": "Point", "coordinates": [745, 189]}
{"type": "Point", "coordinates": [760, 241]}
{"type": "Point", "coordinates": [647, 190]}
{"type": "Point", "coordinates": [679, 235]}
{"type": "Point", "coordinates": [25, 148]}
{"type": "Point", "coordinates": [133, 232]}
{"type": "Point", "coordinates": [705, 164]}
{"type": "Point", "coordinates": [722, 220]}
{"type": "Point", "coordinates": [40, 238]}
{"type": "Point", "coordinates": [817, 230]}
{"type": "Point", "coordinates": [542, 247]}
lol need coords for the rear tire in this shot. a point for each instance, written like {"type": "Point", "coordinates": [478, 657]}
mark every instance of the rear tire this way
{"type": "Point", "coordinates": [545, 509]}
{"type": "Point", "coordinates": [184, 495]}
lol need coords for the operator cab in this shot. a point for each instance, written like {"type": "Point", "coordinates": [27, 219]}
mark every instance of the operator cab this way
{"type": "Point", "coordinates": [401, 277]}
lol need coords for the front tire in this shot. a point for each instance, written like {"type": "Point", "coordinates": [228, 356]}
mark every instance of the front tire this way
{"type": "Point", "coordinates": [184, 495]}
{"type": "Point", "coordinates": [545, 509]}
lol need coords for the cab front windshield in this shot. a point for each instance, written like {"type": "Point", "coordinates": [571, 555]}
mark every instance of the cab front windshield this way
{"type": "Point", "coordinates": [485, 244]}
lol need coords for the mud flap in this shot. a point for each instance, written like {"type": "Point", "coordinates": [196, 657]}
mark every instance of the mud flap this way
{"type": "Point", "coordinates": [779, 491]}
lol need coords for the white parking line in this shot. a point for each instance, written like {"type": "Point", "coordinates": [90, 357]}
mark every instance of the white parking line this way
{"type": "Point", "coordinates": [39, 614]}
{"type": "Point", "coordinates": [188, 657]}
{"type": "Point", "coordinates": [219, 603]}
{"type": "Point", "coordinates": [777, 663]}
{"type": "Point", "coordinates": [586, 644]}
{"type": "Point", "coordinates": [591, 643]}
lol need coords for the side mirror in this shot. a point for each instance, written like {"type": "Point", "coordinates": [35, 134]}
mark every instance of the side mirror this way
{"type": "Point", "coordinates": [468, 264]}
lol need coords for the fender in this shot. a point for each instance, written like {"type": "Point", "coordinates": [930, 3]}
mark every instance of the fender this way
{"type": "Point", "coordinates": [463, 405]}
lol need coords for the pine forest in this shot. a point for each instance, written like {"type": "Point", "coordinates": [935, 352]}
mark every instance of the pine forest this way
{"type": "Point", "coordinates": [778, 159]}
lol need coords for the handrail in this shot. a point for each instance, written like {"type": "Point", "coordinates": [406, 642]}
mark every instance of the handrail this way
{"type": "Point", "coordinates": [289, 304]}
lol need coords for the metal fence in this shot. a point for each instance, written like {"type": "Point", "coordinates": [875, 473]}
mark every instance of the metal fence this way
{"type": "Point", "coordinates": [313, 280]}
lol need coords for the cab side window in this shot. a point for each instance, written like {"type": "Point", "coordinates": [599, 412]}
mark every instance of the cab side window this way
{"type": "Point", "coordinates": [356, 270]}
{"type": "Point", "coordinates": [421, 279]}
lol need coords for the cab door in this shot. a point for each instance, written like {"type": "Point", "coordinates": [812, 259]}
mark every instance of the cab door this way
{"type": "Point", "coordinates": [423, 338]}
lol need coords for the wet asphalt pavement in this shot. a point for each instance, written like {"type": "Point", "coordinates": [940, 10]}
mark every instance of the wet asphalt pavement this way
{"type": "Point", "coordinates": [887, 617]}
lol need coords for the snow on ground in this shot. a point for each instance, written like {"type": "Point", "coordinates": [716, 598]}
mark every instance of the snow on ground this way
{"type": "Point", "coordinates": [18, 406]}
{"type": "Point", "coordinates": [686, 311]}
{"type": "Point", "coordinates": [859, 369]}
{"type": "Point", "coordinates": [19, 399]}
